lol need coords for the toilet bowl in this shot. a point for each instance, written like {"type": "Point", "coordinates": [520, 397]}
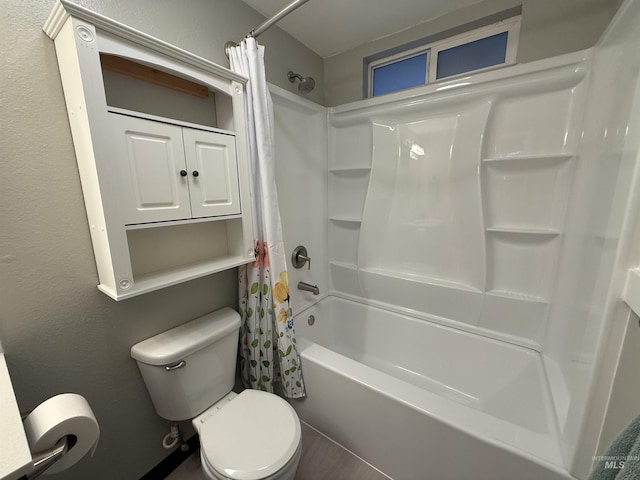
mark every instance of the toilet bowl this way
{"type": "Point", "coordinates": [189, 372]}
{"type": "Point", "coordinates": [251, 436]}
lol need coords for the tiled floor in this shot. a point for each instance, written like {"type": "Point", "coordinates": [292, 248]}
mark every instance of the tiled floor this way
{"type": "Point", "coordinates": [322, 459]}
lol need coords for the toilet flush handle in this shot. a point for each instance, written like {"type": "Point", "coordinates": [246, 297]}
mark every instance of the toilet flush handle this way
{"type": "Point", "coordinates": [176, 366]}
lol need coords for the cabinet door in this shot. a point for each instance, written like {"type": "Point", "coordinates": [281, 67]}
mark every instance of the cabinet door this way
{"type": "Point", "coordinates": [213, 173]}
{"type": "Point", "coordinates": [152, 172]}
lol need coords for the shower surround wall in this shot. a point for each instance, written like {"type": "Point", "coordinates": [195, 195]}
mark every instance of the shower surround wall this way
{"type": "Point", "coordinates": [587, 318]}
{"type": "Point", "coordinates": [466, 188]}
{"type": "Point", "coordinates": [301, 177]}
{"type": "Point", "coordinates": [495, 203]}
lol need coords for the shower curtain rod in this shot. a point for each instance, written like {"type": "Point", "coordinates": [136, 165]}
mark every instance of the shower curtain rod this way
{"type": "Point", "coordinates": [267, 23]}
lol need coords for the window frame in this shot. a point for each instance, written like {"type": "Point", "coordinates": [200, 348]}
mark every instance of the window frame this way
{"type": "Point", "coordinates": [510, 25]}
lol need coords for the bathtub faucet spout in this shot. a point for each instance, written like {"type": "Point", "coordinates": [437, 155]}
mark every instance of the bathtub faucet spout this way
{"type": "Point", "coordinates": [307, 287]}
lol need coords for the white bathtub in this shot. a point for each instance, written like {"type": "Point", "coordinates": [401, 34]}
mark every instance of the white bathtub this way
{"type": "Point", "coordinates": [420, 401]}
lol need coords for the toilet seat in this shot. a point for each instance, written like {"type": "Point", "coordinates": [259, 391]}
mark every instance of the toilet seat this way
{"type": "Point", "coordinates": [256, 435]}
{"type": "Point", "coordinates": [288, 472]}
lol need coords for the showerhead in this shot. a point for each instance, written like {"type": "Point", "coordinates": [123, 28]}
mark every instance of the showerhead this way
{"type": "Point", "coordinates": [306, 83]}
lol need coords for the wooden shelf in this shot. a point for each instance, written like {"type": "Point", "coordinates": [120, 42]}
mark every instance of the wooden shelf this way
{"type": "Point", "coordinates": [155, 281]}
{"type": "Point", "coordinates": [170, 121]}
{"type": "Point", "coordinates": [187, 221]}
{"type": "Point", "coordinates": [152, 75]}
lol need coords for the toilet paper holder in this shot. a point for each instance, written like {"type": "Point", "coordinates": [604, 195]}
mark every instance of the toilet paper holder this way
{"type": "Point", "coordinates": [45, 459]}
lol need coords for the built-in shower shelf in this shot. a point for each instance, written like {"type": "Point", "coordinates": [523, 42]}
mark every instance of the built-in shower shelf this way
{"type": "Point", "coordinates": [517, 296]}
{"type": "Point", "coordinates": [557, 157]}
{"type": "Point", "coordinates": [524, 231]}
{"type": "Point", "coordinates": [419, 278]}
{"type": "Point", "coordinates": [344, 277]}
{"type": "Point", "coordinates": [345, 219]}
{"type": "Point", "coordinates": [348, 266]}
{"type": "Point", "coordinates": [363, 170]}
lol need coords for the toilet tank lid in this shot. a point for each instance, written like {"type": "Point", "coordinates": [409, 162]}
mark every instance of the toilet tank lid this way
{"type": "Point", "coordinates": [175, 344]}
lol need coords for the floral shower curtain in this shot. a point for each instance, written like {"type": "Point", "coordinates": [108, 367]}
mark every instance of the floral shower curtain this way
{"type": "Point", "coordinates": [267, 338]}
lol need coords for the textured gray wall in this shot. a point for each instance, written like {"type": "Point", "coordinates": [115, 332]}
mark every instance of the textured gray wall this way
{"type": "Point", "coordinates": [549, 28]}
{"type": "Point", "coordinates": [58, 332]}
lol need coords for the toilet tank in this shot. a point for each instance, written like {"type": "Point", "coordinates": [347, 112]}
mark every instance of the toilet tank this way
{"type": "Point", "coordinates": [190, 367]}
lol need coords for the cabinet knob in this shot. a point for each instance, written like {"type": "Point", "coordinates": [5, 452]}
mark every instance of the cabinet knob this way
{"type": "Point", "coordinates": [183, 173]}
{"type": "Point", "coordinates": [195, 173]}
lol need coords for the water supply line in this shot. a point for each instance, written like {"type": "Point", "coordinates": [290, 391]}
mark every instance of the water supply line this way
{"type": "Point", "coordinates": [174, 437]}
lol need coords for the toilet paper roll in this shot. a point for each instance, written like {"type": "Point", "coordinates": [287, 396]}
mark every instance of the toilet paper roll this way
{"type": "Point", "coordinates": [65, 414]}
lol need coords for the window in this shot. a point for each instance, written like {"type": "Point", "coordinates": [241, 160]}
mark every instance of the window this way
{"type": "Point", "coordinates": [474, 50]}
{"type": "Point", "coordinates": [475, 55]}
{"type": "Point", "coordinates": [399, 74]}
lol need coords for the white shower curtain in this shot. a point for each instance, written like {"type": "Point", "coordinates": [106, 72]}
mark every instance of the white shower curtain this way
{"type": "Point", "coordinates": [267, 338]}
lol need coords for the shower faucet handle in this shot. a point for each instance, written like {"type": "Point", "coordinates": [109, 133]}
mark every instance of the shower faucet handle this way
{"type": "Point", "coordinates": [300, 256]}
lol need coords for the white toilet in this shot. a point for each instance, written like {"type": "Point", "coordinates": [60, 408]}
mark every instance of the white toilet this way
{"type": "Point", "coordinates": [190, 371]}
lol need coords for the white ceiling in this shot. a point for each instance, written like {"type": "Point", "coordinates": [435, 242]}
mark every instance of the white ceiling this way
{"type": "Point", "coordinates": [332, 26]}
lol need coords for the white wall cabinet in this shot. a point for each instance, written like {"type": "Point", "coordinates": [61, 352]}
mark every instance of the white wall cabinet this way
{"type": "Point", "coordinates": [167, 172]}
{"type": "Point", "coordinates": [211, 166]}
{"type": "Point", "coordinates": [167, 196]}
